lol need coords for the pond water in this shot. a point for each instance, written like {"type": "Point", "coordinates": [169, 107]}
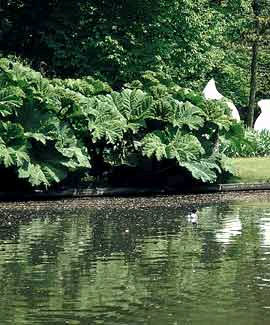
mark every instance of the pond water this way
{"type": "Point", "coordinates": [134, 265]}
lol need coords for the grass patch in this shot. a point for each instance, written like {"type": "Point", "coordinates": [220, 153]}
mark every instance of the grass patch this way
{"type": "Point", "coordinates": [251, 170]}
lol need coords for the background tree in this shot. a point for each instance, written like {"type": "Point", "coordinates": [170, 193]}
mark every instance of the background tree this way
{"type": "Point", "coordinates": [248, 34]}
{"type": "Point", "coordinates": [117, 41]}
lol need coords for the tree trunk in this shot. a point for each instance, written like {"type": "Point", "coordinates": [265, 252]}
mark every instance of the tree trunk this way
{"type": "Point", "coordinates": [253, 68]}
{"type": "Point", "coordinates": [253, 84]}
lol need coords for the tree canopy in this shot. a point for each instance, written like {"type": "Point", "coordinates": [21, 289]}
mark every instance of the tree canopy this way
{"type": "Point", "coordinates": [116, 77]}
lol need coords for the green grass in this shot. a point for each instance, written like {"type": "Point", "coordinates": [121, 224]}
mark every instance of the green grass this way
{"type": "Point", "coordinates": [251, 170]}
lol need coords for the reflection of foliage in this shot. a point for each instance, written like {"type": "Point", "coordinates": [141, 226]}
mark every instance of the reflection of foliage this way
{"type": "Point", "coordinates": [89, 263]}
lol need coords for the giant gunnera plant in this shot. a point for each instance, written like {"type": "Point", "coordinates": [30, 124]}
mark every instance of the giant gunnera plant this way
{"type": "Point", "coordinates": [37, 145]}
{"type": "Point", "coordinates": [50, 128]}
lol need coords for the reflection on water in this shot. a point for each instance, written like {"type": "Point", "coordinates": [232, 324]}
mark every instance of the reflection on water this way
{"type": "Point", "coordinates": [231, 227]}
{"type": "Point", "coordinates": [137, 266]}
{"type": "Point", "coordinates": [265, 230]}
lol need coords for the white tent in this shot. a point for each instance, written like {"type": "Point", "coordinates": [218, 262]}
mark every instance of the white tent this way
{"type": "Point", "coordinates": [263, 120]}
{"type": "Point", "coordinates": [210, 92]}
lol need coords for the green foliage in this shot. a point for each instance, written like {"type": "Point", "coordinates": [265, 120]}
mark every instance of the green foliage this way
{"type": "Point", "coordinates": [34, 141]}
{"type": "Point", "coordinates": [105, 122]}
{"type": "Point", "coordinates": [246, 143]}
{"type": "Point", "coordinates": [50, 128]}
{"type": "Point", "coordinates": [156, 49]}
{"type": "Point", "coordinates": [117, 40]}
{"type": "Point", "coordinates": [233, 75]}
{"type": "Point", "coordinates": [135, 106]}
{"type": "Point", "coordinates": [186, 114]}
{"type": "Point", "coordinates": [184, 42]}
{"type": "Point", "coordinates": [203, 170]}
{"type": "Point", "coordinates": [86, 86]}
{"type": "Point", "coordinates": [10, 97]}
{"type": "Point", "coordinates": [171, 145]}
{"type": "Point", "coordinates": [13, 145]}
{"type": "Point", "coordinates": [187, 131]}
{"type": "Point", "coordinates": [186, 149]}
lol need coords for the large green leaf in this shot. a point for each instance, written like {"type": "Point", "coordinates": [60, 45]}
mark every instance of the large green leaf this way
{"type": "Point", "coordinates": [10, 98]}
{"type": "Point", "coordinates": [96, 116]}
{"type": "Point", "coordinates": [41, 174]}
{"type": "Point", "coordinates": [6, 155]}
{"type": "Point", "coordinates": [184, 147]}
{"type": "Point", "coordinates": [86, 86]}
{"type": "Point", "coordinates": [162, 108]}
{"type": "Point", "coordinates": [34, 174]}
{"type": "Point", "coordinates": [155, 144]}
{"type": "Point", "coordinates": [13, 145]}
{"type": "Point", "coordinates": [43, 94]}
{"type": "Point", "coordinates": [38, 123]}
{"type": "Point", "coordinates": [40, 137]}
{"type": "Point", "coordinates": [134, 105]}
{"type": "Point", "coordinates": [105, 121]}
{"type": "Point", "coordinates": [39, 144]}
{"type": "Point", "coordinates": [46, 165]}
{"type": "Point", "coordinates": [69, 101]}
{"type": "Point", "coordinates": [185, 114]}
{"type": "Point", "coordinates": [203, 170]}
{"type": "Point", "coordinates": [227, 164]}
{"type": "Point", "coordinates": [171, 145]}
{"type": "Point", "coordinates": [18, 75]}
{"type": "Point", "coordinates": [217, 113]}
{"type": "Point", "coordinates": [70, 147]}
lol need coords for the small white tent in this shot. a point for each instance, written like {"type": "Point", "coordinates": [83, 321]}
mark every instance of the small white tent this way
{"type": "Point", "coordinates": [263, 120]}
{"type": "Point", "coordinates": [210, 92]}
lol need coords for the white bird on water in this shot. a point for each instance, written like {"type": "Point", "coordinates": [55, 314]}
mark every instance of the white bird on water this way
{"type": "Point", "coordinates": [263, 120]}
{"type": "Point", "coordinates": [193, 217]}
{"type": "Point", "coordinates": [210, 92]}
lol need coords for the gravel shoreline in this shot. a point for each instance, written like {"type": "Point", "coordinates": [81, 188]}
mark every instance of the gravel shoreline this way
{"type": "Point", "coordinates": [136, 202]}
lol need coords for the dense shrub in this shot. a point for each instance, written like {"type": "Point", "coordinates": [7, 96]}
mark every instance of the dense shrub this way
{"type": "Point", "coordinates": [246, 143]}
{"type": "Point", "coordinates": [50, 128]}
{"type": "Point", "coordinates": [37, 144]}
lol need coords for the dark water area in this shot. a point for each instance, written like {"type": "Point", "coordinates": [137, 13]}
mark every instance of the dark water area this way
{"type": "Point", "coordinates": [131, 263]}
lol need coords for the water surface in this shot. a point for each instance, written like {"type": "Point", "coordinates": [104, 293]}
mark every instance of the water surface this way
{"type": "Point", "coordinates": [136, 265]}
